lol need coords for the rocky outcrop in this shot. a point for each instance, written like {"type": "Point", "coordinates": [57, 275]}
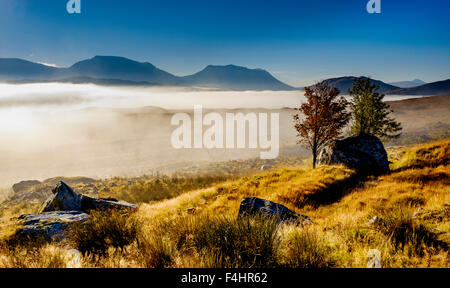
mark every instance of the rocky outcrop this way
{"type": "Point", "coordinates": [254, 206]}
{"type": "Point", "coordinates": [365, 154]}
{"type": "Point", "coordinates": [63, 209]}
{"type": "Point", "coordinates": [65, 199]}
{"type": "Point", "coordinates": [48, 226]}
{"type": "Point", "coordinates": [24, 185]}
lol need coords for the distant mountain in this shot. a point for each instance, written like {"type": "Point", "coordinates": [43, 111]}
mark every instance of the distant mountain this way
{"type": "Point", "coordinates": [112, 70]}
{"type": "Point", "coordinates": [236, 78]}
{"type": "Point", "coordinates": [346, 83]}
{"type": "Point", "coordinates": [408, 84]}
{"type": "Point", "coordinates": [119, 68]}
{"type": "Point", "coordinates": [435, 88]}
{"type": "Point", "coordinates": [18, 69]}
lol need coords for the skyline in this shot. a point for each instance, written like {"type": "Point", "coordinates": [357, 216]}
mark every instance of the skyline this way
{"type": "Point", "coordinates": [299, 42]}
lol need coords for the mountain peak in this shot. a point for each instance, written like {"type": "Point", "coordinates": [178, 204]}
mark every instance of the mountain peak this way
{"type": "Point", "coordinates": [236, 78]}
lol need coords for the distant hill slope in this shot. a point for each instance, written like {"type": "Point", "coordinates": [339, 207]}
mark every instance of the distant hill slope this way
{"type": "Point", "coordinates": [111, 67]}
{"type": "Point", "coordinates": [408, 84]}
{"type": "Point", "coordinates": [435, 88]}
{"type": "Point", "coordinates": [18, 69]}
{"type": "Point", "coordinates": [112, 70]}
{"type": "Point", "coordinates": [237, 78]}
{"type": "Point", "coordinates": [346, 83]}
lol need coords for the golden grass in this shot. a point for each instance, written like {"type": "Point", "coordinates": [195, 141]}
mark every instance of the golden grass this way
{"type": "Point", "coordinates": [200, 228]}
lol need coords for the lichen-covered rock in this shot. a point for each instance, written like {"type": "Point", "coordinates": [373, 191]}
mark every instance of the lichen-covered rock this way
{"type": "Point", "coordinates": [254, 206]}
{"type": "Point", "coordinates": [48, 226]}
{"type": "Point", "coordinates": [364, 153]}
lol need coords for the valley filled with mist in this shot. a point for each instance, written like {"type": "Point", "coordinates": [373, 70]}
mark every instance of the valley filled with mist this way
{"type": "Point", "coordinates": [54, 129]}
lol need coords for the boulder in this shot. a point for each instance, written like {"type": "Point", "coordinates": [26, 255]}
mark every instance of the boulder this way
{"type": "Point", "coordinates": [90, 203]}
{"type": "Point", "coordinates": [48, 226]}
{"type": "Point", "coordinates": [253, 206]}
{"type": "Point", "coordinates": [364, 153]}
{"type": "Point", "coordinates": [63, 199]}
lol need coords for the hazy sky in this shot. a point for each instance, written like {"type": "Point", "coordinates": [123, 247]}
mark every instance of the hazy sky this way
{"type": "Point", "coordinates": [298, 41]}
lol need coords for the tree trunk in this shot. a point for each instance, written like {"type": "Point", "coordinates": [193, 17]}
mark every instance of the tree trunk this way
{"type": "Point", "coordinates": [314, 158]}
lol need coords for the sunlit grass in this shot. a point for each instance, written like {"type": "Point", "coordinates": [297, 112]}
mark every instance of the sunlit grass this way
{"type": "Point", "coordinates": [199, 227]}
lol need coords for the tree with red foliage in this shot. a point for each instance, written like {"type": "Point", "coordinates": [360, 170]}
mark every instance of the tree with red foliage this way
{"type": "Point", "coordinates": [325, 116]}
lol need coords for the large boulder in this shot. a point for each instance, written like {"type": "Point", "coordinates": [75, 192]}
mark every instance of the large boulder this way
{"type": "Point", "coordinates": [65, 199]}
{"type": "Point", "coordinates": [48, 226]}
{"type": "Point", "coordinates": [365, 153]}
{"type": "Point", "coordinates": [254, 206]}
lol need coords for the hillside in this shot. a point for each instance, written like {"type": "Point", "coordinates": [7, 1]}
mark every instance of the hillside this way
{"type": "Point", "coordinates": [408, 84]}
{"type": "Point", "coordinates": [435, 88]}
{"type": "Point", "coordinates": [346, 83]}
{"type": "Point", "coordinates": [199, 228]}
{"type": "Point", "coordinates": [18, 69]}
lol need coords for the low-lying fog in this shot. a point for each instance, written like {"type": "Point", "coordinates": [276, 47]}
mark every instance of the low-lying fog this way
{"type": "Point", "coordinates": [54, 129]}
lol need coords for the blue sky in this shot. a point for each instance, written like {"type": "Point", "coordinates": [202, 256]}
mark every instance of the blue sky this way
{"type": "Point", "coordinates": [298, 41]}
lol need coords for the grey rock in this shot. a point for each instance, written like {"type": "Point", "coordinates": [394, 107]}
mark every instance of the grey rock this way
{"type": "Point", "coordinates": [90, 203]}
{"type": "Point", "coordinates": [364, 153]}
{"type": "Point", "coordinates": [253, 206]}
{"type": "Point", "coordinates": [50, 225]}
{"type": "Point", "coordinates": [63, 199]}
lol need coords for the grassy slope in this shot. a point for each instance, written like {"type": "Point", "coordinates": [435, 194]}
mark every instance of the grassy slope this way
{"type": "Point", "coordinates": [195, 228]}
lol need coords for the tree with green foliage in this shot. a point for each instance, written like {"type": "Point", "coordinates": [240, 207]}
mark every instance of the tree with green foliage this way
{"type": "Point", "coordinates": [369, 114]}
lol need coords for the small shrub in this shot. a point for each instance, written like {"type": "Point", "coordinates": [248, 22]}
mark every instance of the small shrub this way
{"type": "Point", "coordinates": [305, 249]}
{"type": "Point", "coordinates": [246, 242]}
{"type": "Point", "coordinates": [405, 233]}
{"type": "Point", "coordinates": [103, 230]}
{"type": "Point", "coordinates": [156, 250]}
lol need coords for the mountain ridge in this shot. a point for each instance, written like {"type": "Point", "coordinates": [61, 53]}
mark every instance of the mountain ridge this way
{"type": "Point", "coordinates": [121, 70]}
{"type": "Point", "coordinates": [115, 70]}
